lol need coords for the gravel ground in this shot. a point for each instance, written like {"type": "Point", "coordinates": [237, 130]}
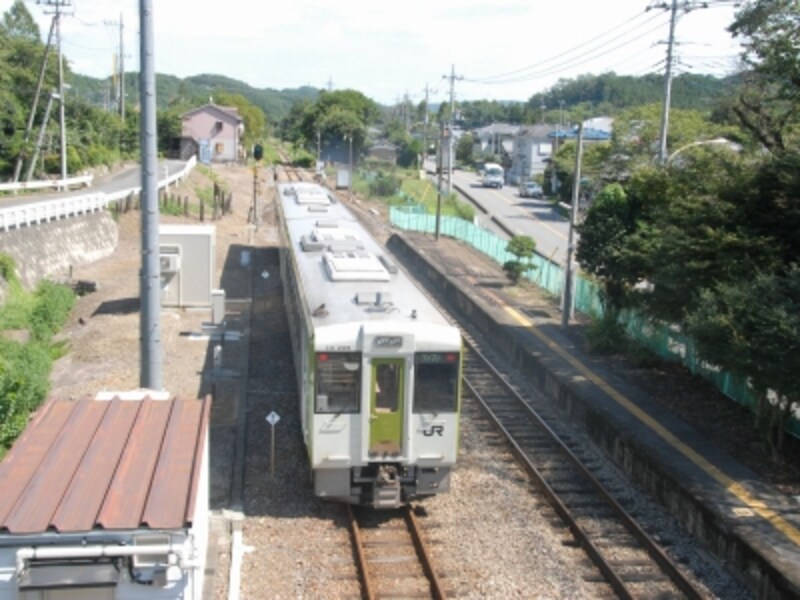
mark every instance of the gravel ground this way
{"type": "Point", "coordinates": [491, 537]}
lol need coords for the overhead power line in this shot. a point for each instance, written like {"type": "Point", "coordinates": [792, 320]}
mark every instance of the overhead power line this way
{"type": "Point", "coordinates": [591, 46]}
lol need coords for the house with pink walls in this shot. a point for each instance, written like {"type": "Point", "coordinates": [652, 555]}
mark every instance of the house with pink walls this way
{"type": "Point", "coordinates": [213, 132]}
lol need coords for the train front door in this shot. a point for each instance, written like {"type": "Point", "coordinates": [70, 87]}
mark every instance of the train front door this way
{"type": "Point", "coordinates": [386, 407]}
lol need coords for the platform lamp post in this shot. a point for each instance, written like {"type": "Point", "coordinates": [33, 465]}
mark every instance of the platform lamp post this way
{"type": "Point", "coordinates": [569, 276]}
{"type": "Point", "coordinates": [349, 138]}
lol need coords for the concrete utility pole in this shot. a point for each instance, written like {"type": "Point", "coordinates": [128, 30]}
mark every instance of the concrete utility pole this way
{"type": "Point", "coordinates": [121, 69]}
{"type": "Point", "coordinates": [58, 5]}
{"type": "Point", "coordinates": [673, 6]}
{"type": "Point", "coordinates": [662, 140]}
{"type": "Point", "coordinates": [425, 131]}
{"type": "Point", "coordinates": [573, 221]}
{"type": "Point", "coordinates": [32, 116]}
{"type": "Point", "coordinates": [150, 376]}
{"type": "Point", "coordinates": [40, 140]}
{"type": "Point", "coordinates": [452, 77]}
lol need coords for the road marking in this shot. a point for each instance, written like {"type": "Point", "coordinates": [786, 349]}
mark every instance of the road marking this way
{"type": "Point", "coordinates": [730, 484]}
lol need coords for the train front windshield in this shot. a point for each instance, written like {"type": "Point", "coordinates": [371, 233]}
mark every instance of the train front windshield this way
{"type": "Point", "coordinates": [338, 382]}
{"type": "Point", "coordinates": [436, 382]}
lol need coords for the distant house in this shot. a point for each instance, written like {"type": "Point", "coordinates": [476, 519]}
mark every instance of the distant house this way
{"type": "Point", "coordinates": [383, 152]}
{"type": "Point", "coordinates": [496, 139]}
{"type": "Point", "coordinates": [214, 133]}
{"type": "Point", "coordinates": [532, 151]}
{"type": "Point", "coordinates": [107, 498]}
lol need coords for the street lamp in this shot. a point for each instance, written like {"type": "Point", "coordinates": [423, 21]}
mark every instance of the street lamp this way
{"type": "Point", "coordinates": [719, 140]}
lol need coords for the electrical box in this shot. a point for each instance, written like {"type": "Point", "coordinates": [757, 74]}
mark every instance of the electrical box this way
{"type": "Point", "coordinates": [342, 179]}
{"type": "Point", "coordinates": [187, 257]}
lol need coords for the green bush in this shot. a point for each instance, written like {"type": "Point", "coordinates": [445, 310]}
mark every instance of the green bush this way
{"type": "Point", "coordinates": [52, 307]}
{"type": "Point", "coordinates": [606, 336]}
{"type": "Point", "coordinates": [8, 269]}
{"type": "Point", "coordinates": [514, 270]}
{"type": "Point", "coordinates": [25, 367]}
{"type": "Point", "coordinates": [304, 161]}
{"type": "Point", "coordinates": [24, 370]}
{"type": "Point", "coordinates": [384, 186]}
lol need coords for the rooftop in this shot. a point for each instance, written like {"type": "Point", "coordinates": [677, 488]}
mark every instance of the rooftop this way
{"type": "Point", "coordinates": [105, 464]}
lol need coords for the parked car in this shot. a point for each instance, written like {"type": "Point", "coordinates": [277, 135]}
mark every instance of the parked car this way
{"type": "Point", "coordinates": [531, 189]}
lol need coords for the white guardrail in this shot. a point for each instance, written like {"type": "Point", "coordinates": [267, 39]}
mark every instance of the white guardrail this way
{"type": "Point", "coordinates": [57, 184]}
{"type": "Point", "coordinates": [50, 210]}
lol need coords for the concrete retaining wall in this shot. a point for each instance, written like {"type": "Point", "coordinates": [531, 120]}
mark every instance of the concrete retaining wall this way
{"type": "Point", "coordinates": [48, 250]}
{"type": "Point", "coordinates": [640, 463]}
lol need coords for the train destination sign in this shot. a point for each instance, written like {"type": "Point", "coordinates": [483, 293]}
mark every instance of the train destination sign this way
{"type": "Point", "coordinates": [389, 341]}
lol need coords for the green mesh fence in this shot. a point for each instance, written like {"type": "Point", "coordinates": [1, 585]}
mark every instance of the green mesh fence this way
{"type": "Point", "coordinates": [666, 341]}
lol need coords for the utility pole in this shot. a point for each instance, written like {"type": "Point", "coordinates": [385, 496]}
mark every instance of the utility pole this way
{"type": "Point", "coordinates": [573, 221]}
{"type": "Point", "coordinates": [57, 5]}
{"type": "Point", "coordinates": [452, 77]}
{"type": "Point", "coordinates": [40, 139]}
{"type": "Point", "coordinates": [662, 139]}
{"type": "Point", "coordinates": [32, 116]}
{"type": "Point", "coordinates": [425, 131]}
{"type": "Point", "coordinates": [150, 376]}
{"type": "Point", "coordinates": [673, 6]}
{"type": "Point", "coordinates": [121, 69]}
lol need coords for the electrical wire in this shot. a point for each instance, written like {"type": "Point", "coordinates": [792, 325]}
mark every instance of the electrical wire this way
{"type": "Point", "coordinates": [568, 64]}
{"type": "Point", "coordinates": [505, 76]}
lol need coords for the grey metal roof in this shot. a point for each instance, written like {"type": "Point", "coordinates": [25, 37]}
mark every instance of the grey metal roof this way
{"type": "Point", "coordinates": [342, 263]}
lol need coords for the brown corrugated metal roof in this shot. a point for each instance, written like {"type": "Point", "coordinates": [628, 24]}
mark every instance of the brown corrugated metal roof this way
{"type": "Point", "coordinates": [118, 464]}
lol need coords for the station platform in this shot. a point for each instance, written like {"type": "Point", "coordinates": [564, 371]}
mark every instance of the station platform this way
{"type": "Point", "coordinates": [753, 526]}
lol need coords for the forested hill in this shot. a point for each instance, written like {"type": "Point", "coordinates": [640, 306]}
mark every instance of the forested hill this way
{"type": "Point", "coordinates": [171, 90]}
{"type": "Point", "coordinates": [606, 94]}
{"type": "Point", "coordinates": [610, 91]}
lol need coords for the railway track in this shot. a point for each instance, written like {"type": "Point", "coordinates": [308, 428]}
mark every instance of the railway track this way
{"type": "Point", "coordinates": [627, 558]}
{"type": "Point", "coordinates": [632, 563]}
{"type": "Point", "coordinates": [392, 557]}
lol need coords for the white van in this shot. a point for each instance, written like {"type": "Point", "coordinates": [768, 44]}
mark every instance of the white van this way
{"type": "Point", "coordinates": [493, 175]}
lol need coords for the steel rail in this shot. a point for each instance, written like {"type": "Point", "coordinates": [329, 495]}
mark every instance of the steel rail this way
{"type": "Point", "coordinates": [657, 554]}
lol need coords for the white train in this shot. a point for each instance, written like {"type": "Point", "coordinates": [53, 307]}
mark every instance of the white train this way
{"type": "Point", "coordinates": [378, 367]}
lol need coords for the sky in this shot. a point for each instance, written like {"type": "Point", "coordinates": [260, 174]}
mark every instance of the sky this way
{"type": "Point", "coordinates": [497, 49]}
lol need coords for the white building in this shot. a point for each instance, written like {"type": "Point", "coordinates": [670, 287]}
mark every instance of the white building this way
{"type": "Point", "coordinates": [496, 139]}
{"type": "Point", "coordinates": [533, 149]}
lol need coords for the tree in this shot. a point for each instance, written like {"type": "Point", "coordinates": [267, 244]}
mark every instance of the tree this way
{"type": "Point", "coordinates": [19, 23]}
{"type": "Point", "coordinates": [602, 250]}
{"type": "Point", "coordinates": [255, 122]}
{"type": "Point", "coordinates": [752, 327]}
{"type": "Point", "coordinates": [337, 116]}
{"type": "Point", "coordinates": [522, 247]}
{"type": "Point", "coordinates": [769, 101]}
{"type": "Point", "coordinates": [466, 143]}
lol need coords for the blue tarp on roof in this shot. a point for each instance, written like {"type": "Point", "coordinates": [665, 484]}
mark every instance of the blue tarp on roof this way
{"type": "Point", "coordinates": [595, 135]}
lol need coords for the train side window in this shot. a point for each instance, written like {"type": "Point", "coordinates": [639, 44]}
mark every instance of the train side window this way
{"type": "Point", "coordinates": [338, 382]}
{"type": "Point", "coordinates": [435, 382]}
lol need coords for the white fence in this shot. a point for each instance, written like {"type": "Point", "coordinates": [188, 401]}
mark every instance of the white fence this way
{"type": "Point", "coordinates": [50, 210]}
{"type": "Point", "coordinates": [57, 184]}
